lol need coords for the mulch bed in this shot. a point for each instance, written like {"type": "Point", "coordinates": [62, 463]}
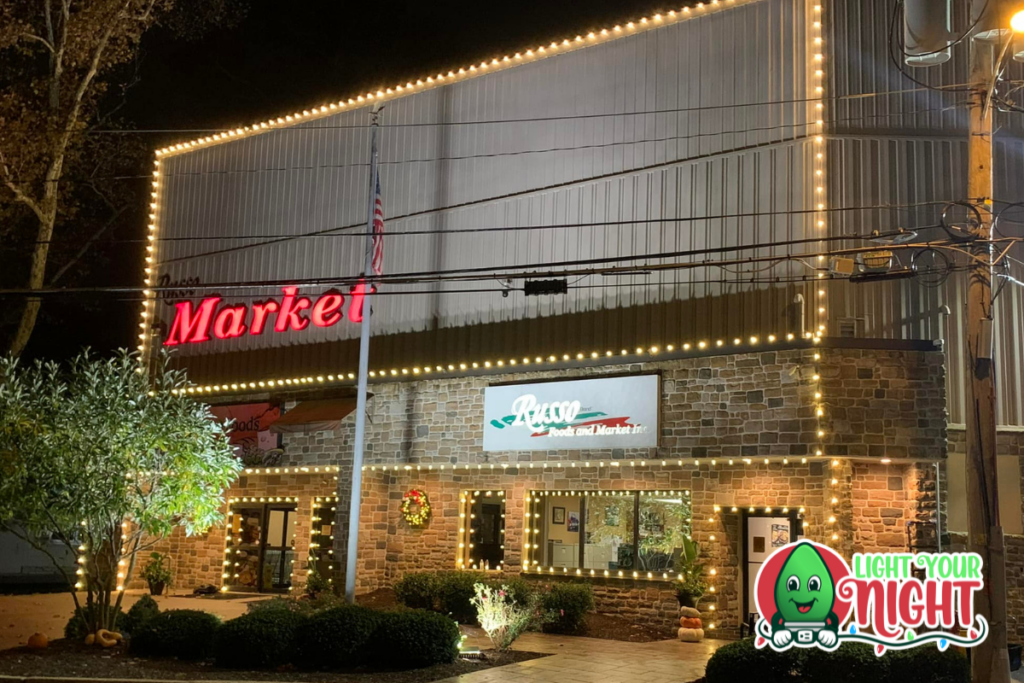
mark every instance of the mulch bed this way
{"type": "Point", "coordinates": [70, 659]}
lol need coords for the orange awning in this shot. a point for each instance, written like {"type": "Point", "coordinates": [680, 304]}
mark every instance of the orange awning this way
{"type": "Point", "coordinates": [314, 416]}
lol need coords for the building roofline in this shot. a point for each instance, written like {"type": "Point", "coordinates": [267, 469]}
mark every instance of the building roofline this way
{"type": "Point", "coordinates": [457, 75]}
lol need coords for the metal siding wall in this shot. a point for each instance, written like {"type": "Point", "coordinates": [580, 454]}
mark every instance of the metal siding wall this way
{"type": "Point", "coordinates": [885, 151]}
{"type": "Point", "coordinates": [312, 177]}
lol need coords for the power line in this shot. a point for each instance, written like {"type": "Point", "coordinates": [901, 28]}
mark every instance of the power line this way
{"type": "Point", "coordinates": [333, 232]}
{"type": "Point", "coordinates": [299, 127]}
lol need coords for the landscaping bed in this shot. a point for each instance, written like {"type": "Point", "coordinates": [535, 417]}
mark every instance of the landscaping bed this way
{"type": "Point", "coordinates": [70, 659]}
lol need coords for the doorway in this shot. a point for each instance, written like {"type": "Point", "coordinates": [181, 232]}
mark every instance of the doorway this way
{"type": "Point", "coordinates": [261, 552]}
{"type": "Point", "coordinates": [763, 533]}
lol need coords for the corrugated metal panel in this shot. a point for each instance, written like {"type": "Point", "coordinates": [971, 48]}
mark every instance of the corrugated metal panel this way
{"type": "Point", "coordinates": [604, 166]}
{"type": "Point", "coordinates": [903, 171]}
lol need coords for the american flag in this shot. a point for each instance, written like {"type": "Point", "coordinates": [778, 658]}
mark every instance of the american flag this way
{"type": "Point", "coordinates": [378, 231]}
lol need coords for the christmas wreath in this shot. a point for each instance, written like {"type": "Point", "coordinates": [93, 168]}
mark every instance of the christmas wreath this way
{"type": "Point", "coordinates": [415, 507]}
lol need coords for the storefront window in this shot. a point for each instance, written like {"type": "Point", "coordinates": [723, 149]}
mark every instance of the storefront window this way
{"type": "Point", "coordinates": [482, 530]}
{"type": "Point", "coordinates": [606, 532]}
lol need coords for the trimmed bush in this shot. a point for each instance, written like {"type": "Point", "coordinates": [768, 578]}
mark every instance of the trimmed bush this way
{"type": "Point", "coordinates": [338, 638]}
{"type": "Point", "coordinates": [144, 609]}
{"type": "Point", "coordinates": [416, 638]}
{"type": "Point", "coordinates": [418, 590]}
{"type": "Point", "coordinates": [926, 663]}
{"type": "Point", "coordinates": [849, 663]}
{"type": "Point", "coordinates": [741, 661]}
{"type": "Point", "coordinates": [456, 594]}
{"type": "Point", "coordinates": [567, 605]}
{"type": "Point", "coordinates": [276, 604]}
{"type": "Point", "coordinates": [449, 592]}
{"type": "Point", "coordinates": [77, 627]}
{"type": "Point", "coordinates": [257, 640]}
{"type": "Point", "coordinates": [181, 633]}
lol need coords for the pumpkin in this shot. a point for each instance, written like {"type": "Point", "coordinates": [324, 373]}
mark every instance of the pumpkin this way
{"type": "Point", "coordinates": [107, 638]}
{"type": "Point", "coordinates": [37, 641]}
{"type": "Point", "coordinates": [691, 635]}
{"type": "Point", "coordinates": [690, 622]}
{"type": "Point", "coordinates": [90, 639]}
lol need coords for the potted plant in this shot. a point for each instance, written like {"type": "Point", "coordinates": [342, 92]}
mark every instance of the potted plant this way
{"type": "Point", "coordinates": [157, 573]}
{"type": "Point", "coordinates": [692, 586]}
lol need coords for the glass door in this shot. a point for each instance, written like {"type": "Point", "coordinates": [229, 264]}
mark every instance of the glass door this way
{"type": "Point", "coordinates": [260, 548]}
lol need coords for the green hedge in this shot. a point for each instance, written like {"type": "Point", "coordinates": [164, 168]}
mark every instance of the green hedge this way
{"type": "Point", "coordinates": [451, 592]}
{"type": "Point", "coordinates": [850, 663]}
{"type": "Point", "coordinates": [258, 640]}
{"type": "Point", "coordinates": [77, 627]}
{"type": "Point", "coordinates": [338, 638]}
{"type": "Point", "coordinates": [181, 633]}
{"type": "Point", "coordinates": [416, 638]}
{"type": "Point", "coordinates": [144, 609]}
{"type": "Point", "coordinates": [566, 605]}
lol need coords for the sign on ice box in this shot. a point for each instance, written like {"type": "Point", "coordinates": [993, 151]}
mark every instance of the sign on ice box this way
{"type": "Point", "coordinates": [616, 412]}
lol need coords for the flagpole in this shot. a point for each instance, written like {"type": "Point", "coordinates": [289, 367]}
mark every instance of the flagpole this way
{"type": "Point", "coordinates": [364, 358]}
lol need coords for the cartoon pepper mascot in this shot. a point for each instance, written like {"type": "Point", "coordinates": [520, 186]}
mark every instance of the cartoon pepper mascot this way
{"type": "Point", "coordinates": [804, 597]}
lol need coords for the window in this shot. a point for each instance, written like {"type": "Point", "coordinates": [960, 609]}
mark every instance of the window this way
{"type": "Point", "coordinates": [260, 552]}
{"type": "Point", "coordinates": [482, 530]}
{"type": "Point", "coordinates": [605, 532]}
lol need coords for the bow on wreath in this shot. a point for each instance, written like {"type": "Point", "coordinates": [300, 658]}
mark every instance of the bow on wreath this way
{"type": "Point", "coordinates": [415, 507]}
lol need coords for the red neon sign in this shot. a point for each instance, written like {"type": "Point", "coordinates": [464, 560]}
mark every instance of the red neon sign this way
{"type": "Point", "coordinates": [194, 324]}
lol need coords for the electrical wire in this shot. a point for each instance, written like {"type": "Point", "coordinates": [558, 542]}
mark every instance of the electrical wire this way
{"type": "Point", "coordinates": [333, 232]}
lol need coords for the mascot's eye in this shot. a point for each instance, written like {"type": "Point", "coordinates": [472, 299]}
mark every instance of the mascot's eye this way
{"type": "Point", "coordinates": [814, 584]}
{"type": "Point", "coordinates": [793, 584]}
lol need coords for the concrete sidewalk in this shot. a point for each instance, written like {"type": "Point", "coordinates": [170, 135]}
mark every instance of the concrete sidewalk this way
{"type": "Point", "coordinates": [591, 660]}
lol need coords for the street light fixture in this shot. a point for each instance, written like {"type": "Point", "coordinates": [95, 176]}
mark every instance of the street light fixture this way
{"type": "Point", "coordinates": [1017, 22]}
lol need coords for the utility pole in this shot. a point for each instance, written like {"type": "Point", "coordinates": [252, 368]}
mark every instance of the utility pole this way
{"type": "Point", "coordinates": [989, 660]}
{"type": "Point", "coordinates": [351, 558]}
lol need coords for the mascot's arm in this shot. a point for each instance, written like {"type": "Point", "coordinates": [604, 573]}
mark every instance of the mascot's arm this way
{"type": "Point", "coordinates": [832, 622]}
{"type": "Point", "coordinates": [777, 622]}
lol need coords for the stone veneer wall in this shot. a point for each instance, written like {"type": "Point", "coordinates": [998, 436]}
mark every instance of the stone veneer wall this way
{"type": "Point", "coordinates": [878, 403]}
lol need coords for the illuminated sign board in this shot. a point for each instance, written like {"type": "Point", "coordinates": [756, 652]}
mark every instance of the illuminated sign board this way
{"type": "Point", "coordinates": [195, 324]}
{"type": "Point", "coordinates": [614, 412]}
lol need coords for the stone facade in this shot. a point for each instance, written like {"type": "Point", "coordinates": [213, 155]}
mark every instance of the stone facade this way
{"type": "Point", "coordinates": [721, 416]}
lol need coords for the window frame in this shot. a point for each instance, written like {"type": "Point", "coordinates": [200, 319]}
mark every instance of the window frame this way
{"type": "Point", "coordinates": [533, 551]}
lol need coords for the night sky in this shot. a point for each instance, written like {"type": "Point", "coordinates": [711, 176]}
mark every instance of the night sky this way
{"type": "Point", "coordinates": [285, 56]}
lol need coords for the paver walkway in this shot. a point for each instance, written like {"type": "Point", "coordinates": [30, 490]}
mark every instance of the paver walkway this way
{"type": "Point", "coordinates": [590, 660]}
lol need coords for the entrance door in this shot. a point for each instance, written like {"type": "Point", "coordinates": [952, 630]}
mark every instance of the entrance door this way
{"type": "Point", "coordinates": [261, 547]}
{"type": "Point", "coordinates": [763, 534]}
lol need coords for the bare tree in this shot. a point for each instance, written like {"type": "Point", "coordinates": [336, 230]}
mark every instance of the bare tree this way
{"type": "Point", "coordinates": [58, 59]}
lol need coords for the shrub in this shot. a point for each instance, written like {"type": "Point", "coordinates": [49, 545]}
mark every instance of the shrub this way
{"type": "Point", "coordinates": [181, 633]}
{"type": "Point", "coordinates": [157, 570]}
{"type": "Point", "coordinates": [275, 604]}
{"type": "Point", "coordinates": [258, 640]}
{"type": "Point", "coordinates": [502, 618]}
{"type": "Point", "coordinates": [144, 609]}
{"type": "Point", "coordinates": [740, 661]}
{"type": "Point", "coordinates": [449, 592]}
{"type": "Point", "coordinates": [418, 590]}
{"type": "Point", "coordinates": [517, 589]}
{"type": "Point", "coordinates": [850, 662]}
{"type": "Point", "coordinates": [337, 638]}
{"type": "Point", "coordinates": [567, 605]}
{"type": "Point", "coordinates": [456, 594]}
{"type": "Point", "coordinates": [926, 663]}
{"type": "Point", "coordinates": [416, 638]}
{"type": "Point", "coordinates": [78, 628]}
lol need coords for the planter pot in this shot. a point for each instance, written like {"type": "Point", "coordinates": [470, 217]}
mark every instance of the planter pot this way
{"type": "Point", "coordinates": [156, 588]}
{"type": "Point", "coordinates": [687, 600]}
